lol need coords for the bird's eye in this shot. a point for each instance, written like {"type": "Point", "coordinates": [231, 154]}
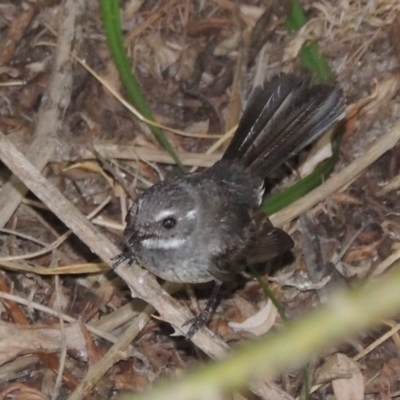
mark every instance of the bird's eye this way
{"type": "Point", "coordinates": [169, 223]}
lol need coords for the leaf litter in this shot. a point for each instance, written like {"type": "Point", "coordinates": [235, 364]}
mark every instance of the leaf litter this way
{"type": "Point", "coordinates": [205, 47]}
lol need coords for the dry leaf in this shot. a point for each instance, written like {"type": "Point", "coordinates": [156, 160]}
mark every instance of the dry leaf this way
{"type": "Point", "coordinates": [311, 30]}
{"type": "Point", "coordinates": [383, 93]}
{"type": "Point", "coordinates": [346, 199]}
{"type": "Point", "coordinates": [259, 323]}
{"type": "Point", "coordinates": [386, 90]}
{"type": "Point", "coordinates": [251, 14]}
{"type": "Point", "coordinates": [19, 340]}
{"type": "Point", "coordinates": [228, 45]}
{"type": "Point", "coordinates": [345, 375]}
{"type": "Point", "coordinates": [19, 391]}
{"type": "Point", "coordinates": [164, 53]}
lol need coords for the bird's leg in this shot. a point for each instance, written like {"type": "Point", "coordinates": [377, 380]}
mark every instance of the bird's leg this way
{"type": "Point", "coordinates": [121, 257]}
{"type": "Point", "coordinates": [199, 321]}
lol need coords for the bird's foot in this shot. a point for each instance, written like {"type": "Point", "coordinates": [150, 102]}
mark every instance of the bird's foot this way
{"type": "Point", "coordinates": [197, 323]}
{"type": "Point", "coordinates": [122, 257]}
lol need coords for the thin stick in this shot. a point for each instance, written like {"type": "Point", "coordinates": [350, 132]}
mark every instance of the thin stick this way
{"type": "Point", "coordinates": [52, 109]}
{"type": "Point", "coordinates": [142, 284]}
{"type": "Point", "coordinates": [40, 307]}
{"type": "Point", "coordinates": [66, 152]}
{"type": "Point", "coordinates": [341, 179]}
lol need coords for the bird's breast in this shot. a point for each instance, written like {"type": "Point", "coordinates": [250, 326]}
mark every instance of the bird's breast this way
{"type": "Point", "coordinates": [186, 264]}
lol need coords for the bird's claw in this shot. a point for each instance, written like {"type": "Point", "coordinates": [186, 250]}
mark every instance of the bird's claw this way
{"type": "Point", "coordinates": [196, 323]}
{"type": "Point", "coordinates": [122, 257]}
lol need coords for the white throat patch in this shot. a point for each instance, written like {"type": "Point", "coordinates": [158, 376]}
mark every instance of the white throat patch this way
{"type": "Point", "coordinates": [164, 244]}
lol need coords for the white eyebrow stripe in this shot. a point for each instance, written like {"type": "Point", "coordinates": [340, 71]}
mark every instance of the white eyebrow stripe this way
{"type": "Point", "coordinates": [164, 213]}
{"type": "Point", "coordinates": [191, 214]}
{"type": "Point", "coordinates": [170, 213]}
{"type": "Point", "coordinates": [164, 244]}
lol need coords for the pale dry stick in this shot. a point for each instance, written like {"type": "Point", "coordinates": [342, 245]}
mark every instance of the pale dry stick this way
{"type": "Point", "coordinates": [383, 266]}
{"type": "Point", "coordinates": [117, 226]}
{"type": "Point", "coordinates": [234, 108]}
{"type": "Point", "coordinates": [141, 283]}
{"type": "Point", "coordinates": [12, 370]}
{"type": "Point", "coordinates": [63, 341]}
{"type": "Point", "coordinates": [12, 83]}
{"type": "Point", "coordinates": [393, 184]}
{"type": "Point", "coordinates": [367, 350]}
{"type": "Point", "coordinates": [47, 310]}
{"type": "Point", "coordinates": [38, 217]}
{"type": "Point", "coordinates": [119, 316]}
{"type": "Point", "coordinates": [226, 136]}
{"type": "Point", "coordinates": [127, 105]}
{"type": "Point", "coordinates": [23, 236]}
{"type": "Point", "coordinates": [52, 109]}
{"type": "Point", "coordinates": [135, 112]}
{"type": "Point", "coordinates": [113, 355]}
{"type": "Point", "coordinates": [16, 31]}
{"type": "Point", "coordinates": [53, 245]}
{"type": "Point", "coordinates": [342, 178]}
{"type": "Point", "coordinates": [148, 22]}
{"type": "Point", "coordinates": [395, 395]}
{"type": "Point", "coordinates": [64, 270]}
{"type": "Point", "coordinates": [86, 268]}
{"type": "Point", "coordinates": [36, 204]}
{"type": "Point", "coordinates": [389, 261]}
{"type": "Point", "coordinates": [46, 249]}
{"type": "Point", "coordinates": [338, 257]}
{"type": "Point", "coordinates": [68, 152]}
{"type": "Point", "coordinates": [377, 342]}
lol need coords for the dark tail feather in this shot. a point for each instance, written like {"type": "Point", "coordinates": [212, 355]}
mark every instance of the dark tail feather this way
{"type": "Point", "coordinates": [283, 116]}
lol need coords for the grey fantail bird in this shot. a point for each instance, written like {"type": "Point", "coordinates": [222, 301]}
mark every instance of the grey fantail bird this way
{"type": "Point", "coordinates": [209, 225]}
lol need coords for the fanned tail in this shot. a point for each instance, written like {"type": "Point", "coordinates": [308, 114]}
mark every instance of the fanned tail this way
{"type": "Point", "coordinates": [283, 116]}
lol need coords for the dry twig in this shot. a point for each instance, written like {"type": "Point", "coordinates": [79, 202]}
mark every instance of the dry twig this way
{"type": "Point", "coordinates": [142, 284]}
{"type": "Point", "coordinates": [54, 104]}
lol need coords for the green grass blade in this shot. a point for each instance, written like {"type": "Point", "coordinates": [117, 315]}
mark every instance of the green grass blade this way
{"type": "Point", "coordinates": [110, 13]}
{"type": "Point", "coordinates": [305, 185]}
{"type": "Point", "coordinates": [268, 293]}
{"type": "Point", "coordinates": [310, 54]}
{"type": "Point", "coordinates": [295, 18]}
{"type": "Point", "coordinates": [312, 59]}
{"type": "Point", "coordinates": [342, 317]}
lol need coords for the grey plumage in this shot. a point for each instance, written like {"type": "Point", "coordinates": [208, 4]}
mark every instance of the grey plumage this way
{"type": "Point", "coordinates": [208, 225]}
